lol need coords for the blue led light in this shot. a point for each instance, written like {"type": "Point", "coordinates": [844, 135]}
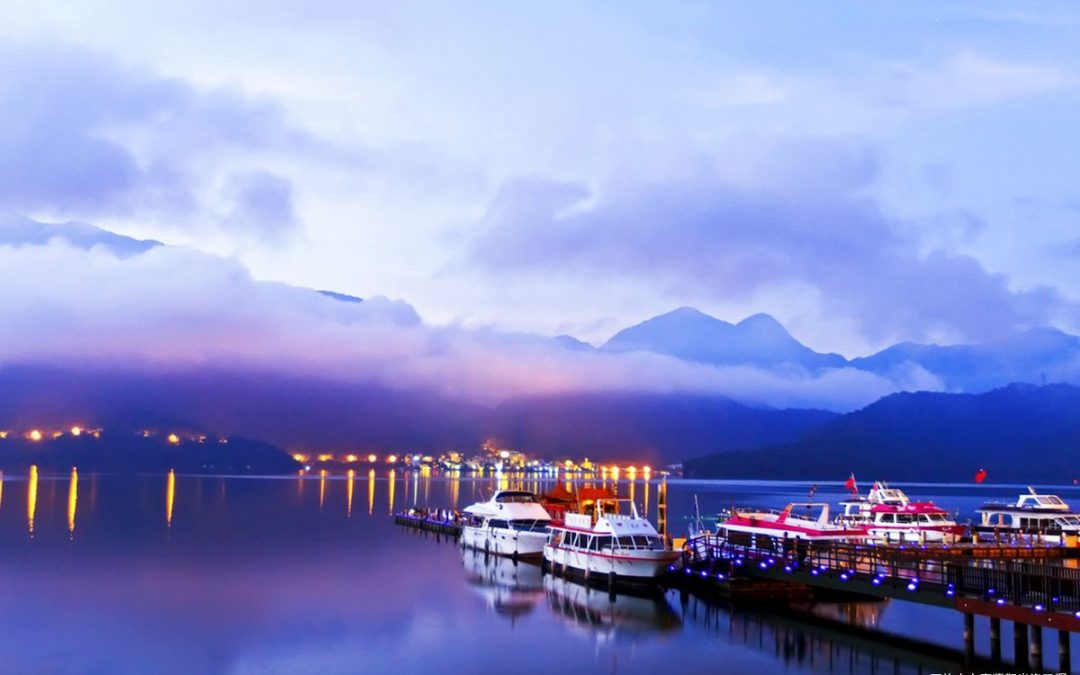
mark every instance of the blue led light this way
{"type": "Point", "coordinates": [876, 582]}
{"type": "Point", "coordinates": [1000, 601]}
{"type": "Point", "coordinates": [1039, 608]}
{"type": "Point", "coordinates": [704, 573]}
{"type": "Point", "coordinates": [911, 586]}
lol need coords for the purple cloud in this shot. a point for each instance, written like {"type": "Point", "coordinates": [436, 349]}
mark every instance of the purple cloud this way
{"type": "Point", "coordinates": [798, 214]}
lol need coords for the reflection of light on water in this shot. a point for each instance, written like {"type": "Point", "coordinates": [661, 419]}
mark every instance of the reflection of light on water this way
{"type": "Point", "coordinates": [392, 482]}
{"type": "Point", "coordinates": [646, 514]}
{"type": "Point", "coordinates": [73, 499]}
{"type": "Point", "coordinates": [322, 487]}
{"type": "Point", "coordinates": [170, 496]}
{"type": "Point", "coordinates": [415, 487]}
{"type": "Point", "coordinates": [351, 476]}
{"type": "Point", "coordinates": [632, 483]}
{"type": "Point", "coordinates": [31, 498]}
{"type": "Point", "coordinates": [370, 491]}
{"type": "Point", "coordinates": [455, 488]}
{"type": "Point", "coordinates": [1, 487]}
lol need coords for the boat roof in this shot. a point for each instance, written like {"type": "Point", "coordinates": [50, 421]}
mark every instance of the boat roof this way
{"type": "Point", "coordinates": [510, 504]}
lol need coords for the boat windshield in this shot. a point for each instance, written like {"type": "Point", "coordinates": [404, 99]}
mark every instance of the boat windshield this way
{"type": "Point", "coordinates": [515, 498]}
{"type": "Point", "coordinates": [1069, 521]}
{"type": "Point", "coordinates": [641, 542]}
{"type": "Point", "coordinates": [529, 525]}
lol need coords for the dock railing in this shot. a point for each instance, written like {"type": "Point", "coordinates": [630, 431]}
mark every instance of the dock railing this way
{"type": "Point", "coordinates": [1049, 585]}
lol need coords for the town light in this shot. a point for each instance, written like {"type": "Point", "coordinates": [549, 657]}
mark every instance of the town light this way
{"type": "Point", "coordinates": [35, 435]}
{"type": "Point", "coordinates": [371, 458]}
{"type": "Point", "coordinates": [173, 439]}
{"type": "Point", "coordinates": [351, 458]}
{"type": "Point", "coordinates": [391, 459]}
{"type": "Point", "coordinates": [76, 431]}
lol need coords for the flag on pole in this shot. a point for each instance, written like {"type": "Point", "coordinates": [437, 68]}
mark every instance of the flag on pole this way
{"type": "Point", "coordinates": [980, 476]}
{"type": "Point", "coordinates": [813, 489]}
{"type": "Point", "coordinates": [851, 486]}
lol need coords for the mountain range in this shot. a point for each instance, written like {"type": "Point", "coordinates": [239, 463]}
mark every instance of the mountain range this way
{"type": "Point", "coordinates": [1018, 433]}
{"type": "Point", "coordinates": [951, 431]}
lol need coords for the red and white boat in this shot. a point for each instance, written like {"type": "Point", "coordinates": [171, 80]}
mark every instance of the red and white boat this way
{"type": "Point", "coordinates": [606, 544]}
{"type": "Point", "coordinates": [807, 521]}
{"type": "Point", "coordinates": [890, 515]}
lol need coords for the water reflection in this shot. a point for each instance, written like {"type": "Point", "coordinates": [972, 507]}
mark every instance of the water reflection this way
{"type": "Point", "coordinates": [509, 589]}
{"type": "Point", "coordinates": [73, 500]}
{"type": "Point", "coordinates": [269, 578]}
{"type": "Point", "coordinates": [606, 616]}
{"type": "Point", "coordinates": [31, 498]}
{"type": "Point", "coordinates": [170, 496]}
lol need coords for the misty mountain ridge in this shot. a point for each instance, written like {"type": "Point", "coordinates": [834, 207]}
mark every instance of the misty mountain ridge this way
{"type": "Point", "coordinates": [691, 335]}
{"type": "Point", "coordinates": [1019, 433]}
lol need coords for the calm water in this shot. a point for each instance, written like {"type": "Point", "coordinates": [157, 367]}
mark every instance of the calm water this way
{"type": "Point", "coordinates": [250, 575]}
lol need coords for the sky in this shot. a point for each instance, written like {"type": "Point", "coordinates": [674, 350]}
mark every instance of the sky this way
{"type": "Point", "coordinates": [864, 172]}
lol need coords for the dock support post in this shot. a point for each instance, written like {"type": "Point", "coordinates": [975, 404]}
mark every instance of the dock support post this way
{"type": "Point", "coordinates": [995, 639]}
{"type": "Point", "coordinates": [1020, 646]}
{"type": "Point", "coordinates": [1036, 648]}
{"type": "Point", "coordinates": [1064, 657]}
{"type": "Point", "coordinates": [969, 638]}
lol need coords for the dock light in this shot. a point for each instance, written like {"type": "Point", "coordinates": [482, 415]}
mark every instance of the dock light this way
{"type": "Point", "coordinates": [912, 586]}
{"type": "Point", "coordinates": [371, 458]}
{"type": "Point", "coordinates": [814, 573]}
{"type": "Point", "coordinates": [1039, 608]}
{"type": "Point", "coordinates": [990, 591]}
{"type": "Point", "coordinates": [949, 593]}
{"type": "Point", "coordinates": [1000, 601]}
{"type": "Point", "coordinates": [670, 568]}
{"type": "Point", "coordinates": [844, 576]}
{"type": "Point", "coordinates": [787, 568]}
{"type": "Point", "coordinates": [720, 576]}
{"type": "Point", "coordinates": [876, 581]}
{"type": "Point", "coordinates": [762, 565]}
{"type": "Point", "coordinates": [687, 570]}
{"type": "Point", "coordinates": [704, 573]}
{"type": "Point", "coordinates": [1076, 614]}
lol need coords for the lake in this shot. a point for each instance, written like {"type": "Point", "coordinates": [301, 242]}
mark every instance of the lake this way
{"type": "Point", "coordinates": [203, 574]}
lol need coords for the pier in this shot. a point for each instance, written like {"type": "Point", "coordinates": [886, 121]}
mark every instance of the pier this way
{"type": "Point", "coordinates": [429, 522]}
{"type": "Point", "coordinates": [1033, 587]}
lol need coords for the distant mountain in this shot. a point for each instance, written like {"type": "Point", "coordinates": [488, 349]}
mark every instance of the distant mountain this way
{"type": "Point", "coordinates": [343, 297]}
{"type": "Point", "coordinates": [1032, 356]}
{"type": "Point", "coordinates": [16, 230]}
{"type": "Point", "coordinates": [1019, 433]}
{"type": "Point", "coordinates": [691, 335]}
{"type": "Point", "coordinates": [654, 428]}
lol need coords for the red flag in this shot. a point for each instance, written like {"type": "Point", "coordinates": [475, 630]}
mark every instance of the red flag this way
{"type": "Point", "coordinates": [980, 476]}
{"type": "Point", "coordinates": [850, 485]}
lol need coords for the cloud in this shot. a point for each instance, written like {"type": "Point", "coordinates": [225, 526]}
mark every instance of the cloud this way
{"type": "Point", "coordinates": [168, 309]}
{"type": "Point", "coordinates": [86, 136]}
{"type": "Point", "coordinates": [795, 213]}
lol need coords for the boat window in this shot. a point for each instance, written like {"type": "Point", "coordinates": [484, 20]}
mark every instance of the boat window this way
{"type": "Point", "coordinates": [602, 543]}
{"type": "Point", "coordinates": [906, 518]}
{"type": "Point", "coordinates": [647, 542]}
{"type": "Point", "coordinates": [499, 523]}
{"type": "Point", "coordinates": [572, 539]}
{"type": "Point", "coordinates": [1069, 520]}
{"type": "Point", "coordinates": [529, 525]}
{"type": "Point", "coordinates": [887, 518]}
{"type": "Point", "coordinates": [626, 541]}
{"type": "Point", "coordinates": [515, 498]}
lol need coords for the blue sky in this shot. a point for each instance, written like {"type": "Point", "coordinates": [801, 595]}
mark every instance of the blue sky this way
{"type": "Point", "coordinates": [866, 172]}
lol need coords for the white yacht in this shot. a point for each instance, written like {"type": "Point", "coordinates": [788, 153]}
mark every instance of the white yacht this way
{"type": "Point", "coordinates": [511, 523]}
{"type": "Point", "coordinates": [608, 545]}
{"type": "Point", "coordinates": [1045, 517]}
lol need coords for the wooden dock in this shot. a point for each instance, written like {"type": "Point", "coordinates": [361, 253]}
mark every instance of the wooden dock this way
{"type": "Point", "coordinates": [428, 523]}
{"type": "Point", "coordinates": [1035, 587]}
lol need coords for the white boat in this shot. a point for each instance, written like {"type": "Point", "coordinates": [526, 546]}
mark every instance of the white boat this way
{"type": "Point", "coordinates": [889, 514]}
{"type": "Point", "coordinates": [608, 545]}
{"type": "Point", "coordinates": [1044, 517]}
{"type": "Point", "coordinates": [512, 523]}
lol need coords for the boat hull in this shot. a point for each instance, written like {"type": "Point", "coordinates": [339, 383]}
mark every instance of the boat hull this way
{"type": "Point", "coordinates": [505, 542]}
{"type": "Point", "coordinates": [639, 565]}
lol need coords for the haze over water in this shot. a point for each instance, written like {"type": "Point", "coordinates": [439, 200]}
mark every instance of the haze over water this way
{"type": "Point", "coordinates": [182, 574]}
